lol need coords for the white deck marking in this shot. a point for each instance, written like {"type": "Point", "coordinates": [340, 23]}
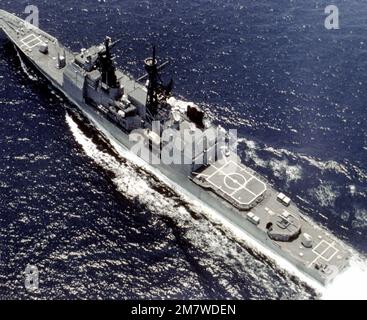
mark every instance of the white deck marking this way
{"type": "Point", "coordinates": [228, 176]}
{"type": "Point", "coordinates": [31, 38]}
{"type": "Point", "coordinates": [321, 255]}
{"type": "Point", "coordinates": [30, 35]}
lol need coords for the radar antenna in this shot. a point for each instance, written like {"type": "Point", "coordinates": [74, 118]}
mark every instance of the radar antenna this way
{"type": "Point", "coordinates": [107, 66]}
{"type": "Point", "coordinates": [157, 91]}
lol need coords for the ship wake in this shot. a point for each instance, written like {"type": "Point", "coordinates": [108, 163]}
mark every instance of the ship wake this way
{"type": "Point", "coordinates": [222, 242]}
{"type": "Point", "coordinates": [223, 251]}
{"type": "Point", "coordinates": [24, 67]}
{"type": "Point", "coordinates": [351, 284]}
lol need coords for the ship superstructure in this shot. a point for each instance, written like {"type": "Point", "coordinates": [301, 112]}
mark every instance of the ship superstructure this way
{"type": "Point", "coordinates": [119, 105]}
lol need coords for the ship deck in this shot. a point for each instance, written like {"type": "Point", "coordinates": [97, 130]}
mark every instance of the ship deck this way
{"type": "Point", "coordinates": [236, 183]}
{"type": "Point", "coordinates": [29, 38]}
{"type": "Point", "coordinates": [242, 188]}
{"type": "Point", "coordinates": [235, 188]}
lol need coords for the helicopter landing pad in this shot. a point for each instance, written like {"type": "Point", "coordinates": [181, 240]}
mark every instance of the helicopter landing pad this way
{"type": "Point", "coordinates": [234, 181]}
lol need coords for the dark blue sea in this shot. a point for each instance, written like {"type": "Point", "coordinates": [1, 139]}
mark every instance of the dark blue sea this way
{"type": "Point", "coordinates": [97, 226]}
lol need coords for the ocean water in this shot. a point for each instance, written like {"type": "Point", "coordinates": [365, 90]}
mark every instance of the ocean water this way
{"type": "Point", "coordinates": [97, 225]}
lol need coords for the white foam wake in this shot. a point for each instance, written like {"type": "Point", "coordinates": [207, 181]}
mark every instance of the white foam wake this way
{"type": "Point", "coordinates": [135, 187]}
{"type": "Point", "coordinates": [329, 165]}
{"type": "Point", "coordinates": [24, 67]}
{"type": "Point", "coordinates": [280, 168]}
{"type": "Point", "coordinates": [351, 284]}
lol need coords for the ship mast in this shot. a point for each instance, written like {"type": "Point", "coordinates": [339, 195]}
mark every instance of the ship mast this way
{"type": "Point", "coordinates": [156, 90]}
{"type": "Point", "coordinates": [152, 96]}
{"type": "Point", "coordinates": [107, 66]}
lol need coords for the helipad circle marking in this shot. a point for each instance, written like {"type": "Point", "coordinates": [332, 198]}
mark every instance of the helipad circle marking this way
{"type": "Point", "coordinates": [234, 181]}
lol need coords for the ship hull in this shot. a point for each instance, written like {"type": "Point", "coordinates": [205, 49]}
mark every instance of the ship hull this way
{"type": "Point", "coordinates": [180, 181]}
{"type": "Point", "coordinates": [177, 178]}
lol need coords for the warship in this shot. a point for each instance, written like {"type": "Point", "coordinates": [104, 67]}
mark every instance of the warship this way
{"type": "Point", "coordinates": [122, 107]}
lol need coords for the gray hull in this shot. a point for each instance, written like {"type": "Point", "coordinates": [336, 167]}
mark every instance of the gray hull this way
{"type": "Point", "coordinates": [254, 207]}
